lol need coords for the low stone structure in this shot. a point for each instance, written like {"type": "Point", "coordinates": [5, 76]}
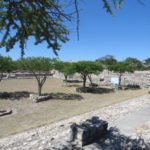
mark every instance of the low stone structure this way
{"type": "Point", "coordinates": [89, 131]}
{"type": "Point", "coordinates": [141, 78]}
{"type": "Point", "coordinates": [36, 98]}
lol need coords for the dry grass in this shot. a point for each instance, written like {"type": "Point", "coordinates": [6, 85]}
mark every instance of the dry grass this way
{"type": "Point", "coordinates": [30, 115]}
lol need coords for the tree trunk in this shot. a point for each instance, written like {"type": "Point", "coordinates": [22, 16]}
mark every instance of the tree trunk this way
{"type": "Point", "coordinates": [120, 75]}
{"type": "Point", "coordinates": [1, 77]}
{"type": "Point", "coordinates": [65, 81]}
{"type": "Point", "coordinates": [39, 89]}
{"type": "Point", "coordinates": [90, 79]}
{"type": "Point", "coordinates": [66, 78]}
{"type": "Point", "coordinates": [84, 81]}
{"type": "Point", "coordinates": [40, 82]}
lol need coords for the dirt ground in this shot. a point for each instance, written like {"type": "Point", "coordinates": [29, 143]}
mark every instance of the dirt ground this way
{"type": "Point", "coordinates": [67, 103]}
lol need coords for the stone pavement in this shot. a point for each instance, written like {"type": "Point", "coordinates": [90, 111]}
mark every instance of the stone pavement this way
{"type": "Point", "coordinates": [129, 124]}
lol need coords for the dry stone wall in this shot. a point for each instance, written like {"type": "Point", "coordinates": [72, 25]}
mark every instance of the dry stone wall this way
{"type": "Point", "coordinates": [141, 78]}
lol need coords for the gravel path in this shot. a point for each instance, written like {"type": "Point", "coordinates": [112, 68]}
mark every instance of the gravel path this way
{"type": "Point", "coordinates": [130, 117]}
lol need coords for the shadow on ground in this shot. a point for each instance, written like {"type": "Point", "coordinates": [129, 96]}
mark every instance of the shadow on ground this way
{"type": "Point", "coordinates": [94, 90]}
{"type": "Point", "coordinates": [14, 95]}
{"type": "Point", "coordinates": [64, 96]}
{"type": "Point", "coordinates": [17, 95]}
{"type": "Point", "coordinates": [113, 140]}
{"type": "Point", "coordinates": [116, 141]}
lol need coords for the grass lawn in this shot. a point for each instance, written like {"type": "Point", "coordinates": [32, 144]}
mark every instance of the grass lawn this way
{"type": "Point", "coordinates": [28, 115]}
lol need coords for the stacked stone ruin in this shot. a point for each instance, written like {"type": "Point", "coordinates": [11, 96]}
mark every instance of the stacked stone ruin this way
{"type": "Point", "coordinates": [88, 132]}
{"type": "Point", "coordinates": [141, 78]}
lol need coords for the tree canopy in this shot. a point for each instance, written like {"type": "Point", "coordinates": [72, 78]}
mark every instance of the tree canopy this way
{"type": "Point", "coordinates": [134, 63]}
{"type": "Point", "coordinates": [6, 65]}
{"type": "Point", "coordinates": [39, 66]}
{"type": "Point", "coordinates": [146, 63]}
{"type": "Point", "coordinates": [67, 68]}
{"type": "Point", "coordinates": [44, 20]}
{"type": "Point", "coordinates": [121, 67]}
{"type": "Point", "coordinates": [107, 60]}
{"type": "Point", "coordinates": [86, 68]}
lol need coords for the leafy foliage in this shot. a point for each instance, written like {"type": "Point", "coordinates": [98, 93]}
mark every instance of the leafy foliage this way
{"type": "Point", "coordinates": [67, 68]}
{"type": "Point", "coordinates": [134, 63]}
{"type": "Point", "coordinates": [43, 20]}
{"type": "Point", "coordinates": [39, 66]}
{"type": "Point", "coordinates": [107, 60]}
{"type": "Point", "coordinates": [6, 65]}
{"type": "Point", "coordinates": [146, 63]}
{"type": "Point", "coordinates": [86, 68]}
{"type": "Point", "coordinates": [121, 67]}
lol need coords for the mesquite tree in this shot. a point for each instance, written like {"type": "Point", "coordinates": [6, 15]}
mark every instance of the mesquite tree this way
{"type": "Point", "coordinates": [86, 68]}
{"type": "Point", "coordinates": [6, 66]}
{"type": "Point", "coordinates": [67, 68]}
{"type": "Point", "coordinates": [107, 61]}
{"type": "Point", "coordinates": [121, 67]}
{"type": "Point", "coordinates": [44, 20]}
{"type": "Point", "coordinates": [134, 63]}
{"type": "Point", "coordinates": [39, 66]}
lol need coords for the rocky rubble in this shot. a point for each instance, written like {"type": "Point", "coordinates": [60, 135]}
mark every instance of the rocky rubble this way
{"type": "Point", "coordinates": [141, 78]}
{"type": "Point", "coordinates": [56, 136]}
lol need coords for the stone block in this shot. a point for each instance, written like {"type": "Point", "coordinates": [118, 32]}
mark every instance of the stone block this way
{"type": "Point", "coordinates": [88, 131]}
{"type": "Point", "coordinates": [36, 98]}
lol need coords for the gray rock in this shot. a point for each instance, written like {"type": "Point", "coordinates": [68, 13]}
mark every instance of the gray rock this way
{"type": "Point", "coordinates": [89, 131]}
{"type": "Point", "coordinates": [36, 98]}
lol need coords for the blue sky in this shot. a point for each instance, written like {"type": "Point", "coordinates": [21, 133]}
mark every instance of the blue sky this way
{"type": "Point", "coordinates": [127, 34]}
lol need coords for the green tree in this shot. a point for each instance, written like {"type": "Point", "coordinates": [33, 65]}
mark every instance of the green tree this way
{"type": "Point", "coordinates": [146, 63]}
{"type": "Point", "coordinates": [39, 66]}
{"type": "Point", "coordinates": [6, 66]}
{"type": "Point", "coordinates": [134, 63]}
{"type": "Point", "coordinates": [44, 20]}
{"type": "Point", "coordinates": [86, 68]}
{"type": "Point", "coordinates": [67, 68]}
{"type": "Point", "coordinates": [121, 67]}
{"type": "Point", "coordinates": [107, 60]}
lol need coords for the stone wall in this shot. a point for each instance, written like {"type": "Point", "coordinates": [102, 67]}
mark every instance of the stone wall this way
{"type": "Point", "coordinates": [141, 78]}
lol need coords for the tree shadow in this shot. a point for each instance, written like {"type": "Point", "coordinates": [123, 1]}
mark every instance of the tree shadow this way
{"type": "Point", "coordinates": [94, 90]}
{"type": "Point", "coordinates": [111, 140]}
{"type": "Point", "coordinates": [132, 87]}
{"type": "Point", "coordinates": [64, 96]}
{"type": "Point", "coordinates": [114, 140]}
{"type": "Point", "coordinates": [14, 95]}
